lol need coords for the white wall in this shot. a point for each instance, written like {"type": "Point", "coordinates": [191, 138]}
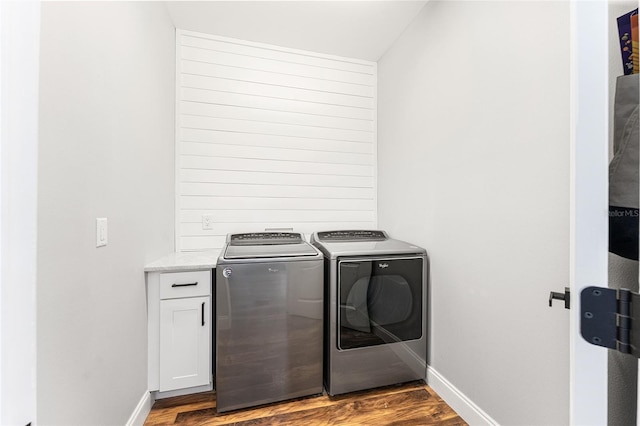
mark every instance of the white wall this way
{"type": "Point", "coordinates": [106, 150]}
{"type": "Point", "coordinates": [270, 137]}
{"type": "Point", "coordinates": [19, 42]}
{"type": "Point", "coordinates": [473, 164]}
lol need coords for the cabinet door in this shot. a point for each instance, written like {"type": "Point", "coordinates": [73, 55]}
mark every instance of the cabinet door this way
{"type": "Point", "coordinates": [185, 331]}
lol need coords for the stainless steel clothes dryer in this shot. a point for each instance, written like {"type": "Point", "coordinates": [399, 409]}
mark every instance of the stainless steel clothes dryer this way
{"type": "Point", "coordinates": [375, 310]}
{"type": "Point", "coordinates": [269, 292]}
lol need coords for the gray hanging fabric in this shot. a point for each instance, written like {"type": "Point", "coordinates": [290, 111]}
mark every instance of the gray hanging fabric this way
{"type": "Point", "coordinates": [623, 170]}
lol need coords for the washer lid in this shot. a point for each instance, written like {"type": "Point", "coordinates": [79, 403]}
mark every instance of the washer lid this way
{"type": "Point", "coordinates": [267, 244]}
{"type": "Point", "coordinates": [334, 244]}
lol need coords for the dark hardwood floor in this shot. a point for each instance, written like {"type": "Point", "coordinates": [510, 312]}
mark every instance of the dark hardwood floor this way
{"type": "Point", "coordinates": [408, 404]}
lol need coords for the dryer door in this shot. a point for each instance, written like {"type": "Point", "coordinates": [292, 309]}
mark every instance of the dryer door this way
{"type": "Point", "coordinates": [379, 301]}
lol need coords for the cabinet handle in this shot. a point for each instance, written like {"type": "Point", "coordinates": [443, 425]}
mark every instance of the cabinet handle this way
{"type": "Point", "coordinates": [203, 314]}
{"type": "Point", "coordinates": [184, 285]}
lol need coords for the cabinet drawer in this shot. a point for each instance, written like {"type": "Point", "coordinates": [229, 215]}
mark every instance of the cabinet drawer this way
{"type": "Point", "coordinates": [174, 285]}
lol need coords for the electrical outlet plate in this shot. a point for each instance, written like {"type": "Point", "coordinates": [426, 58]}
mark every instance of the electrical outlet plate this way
{"type": "Point", "coordinates": [207, 221]}
{"type": "Point", "coordinates": [101, 232]}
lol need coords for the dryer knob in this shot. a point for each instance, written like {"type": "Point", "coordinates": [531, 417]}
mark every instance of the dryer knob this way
{"type": "Point", "coordinates": [226, 272]}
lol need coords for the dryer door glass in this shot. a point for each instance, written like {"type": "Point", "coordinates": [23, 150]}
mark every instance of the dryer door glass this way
{"type": "Point", "coordinates": [379, 301]}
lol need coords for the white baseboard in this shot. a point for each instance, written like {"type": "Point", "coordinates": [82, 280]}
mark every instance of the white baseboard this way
{"type": "Point", "coordinates": [141, 411]}
{"type": "Point", "coordinates": [462, 405]}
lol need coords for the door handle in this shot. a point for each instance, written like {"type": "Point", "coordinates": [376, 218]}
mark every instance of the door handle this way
{"type": "Point", "coordinates": [203, 314]}
{"type": "Point", "coordinates": [566, 296]}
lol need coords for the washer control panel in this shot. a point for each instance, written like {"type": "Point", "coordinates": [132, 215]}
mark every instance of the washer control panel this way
{"type": "Point", "coordinates": [264, 238]}
{"type": "Point", "coordinates": [353, 235]}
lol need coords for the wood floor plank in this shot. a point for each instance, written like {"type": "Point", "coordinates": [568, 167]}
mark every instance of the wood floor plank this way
{"type": "Point", "coordinates": [410, 404]}
{"type": "Point", "coordinates": [165, 411]}
{"type": "Point", "coordinates": [384, 409]}
{"type": "Point", "coordinates": [177, 401]}
{"type": "Point", "coordinates": [299, 404]}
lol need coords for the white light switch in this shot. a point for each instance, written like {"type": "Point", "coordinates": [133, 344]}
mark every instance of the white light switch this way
{"type": "Point", "coordinates": [207, 221]}
{"type": "Point", "coordinates": [101, 231]}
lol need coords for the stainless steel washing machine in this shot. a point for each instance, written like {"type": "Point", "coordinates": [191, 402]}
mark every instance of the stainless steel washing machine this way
{"type": "Point", "coordinates": [269, 319]}
{"type": "Point", "coordinates": [375, 310]}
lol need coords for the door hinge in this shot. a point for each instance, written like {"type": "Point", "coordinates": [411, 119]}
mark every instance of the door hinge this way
{"type": "Point", "coordinates": [608, 318]}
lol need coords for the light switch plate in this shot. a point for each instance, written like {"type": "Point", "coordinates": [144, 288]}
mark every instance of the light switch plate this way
{"type": "Point", "coordinates": [101, 232]}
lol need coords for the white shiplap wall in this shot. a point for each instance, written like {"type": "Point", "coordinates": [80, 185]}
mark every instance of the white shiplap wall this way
{"type": "Point", "coordinates": [270, 137]}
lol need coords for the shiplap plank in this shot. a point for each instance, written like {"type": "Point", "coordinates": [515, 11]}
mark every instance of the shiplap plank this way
{"type": "Point", "coordinates": [269, 137]}
{"type": "Point", "coordinates": [267, 190]}
{"type": "Point", "coordinates": [270, 153]}
{"type": "Point", "coordinates": [238, 54]}
{"type": "Point", "coordinates": [217, 136]}
{"type": "Point", "coordinates": [275, 78]}
{"type": "Point", "coordinates": [274, 91]}
{"type": "Point", "coordinates": [269, 178]}
{"type": "Point", "coordinates": [275, 104]}
{"type": "Point", "coordinates": [264, 203]}
{"type": "Point", "coordinates": [219, 229]}
{"type": "Point", "coordinates": [203, 242]}
{"type": "Point", "coordinates": [284, 166]}
{"type": "Point", "coordinates": [222, 229]}
{"type": "Point", "coordinates": [293, 70]}
{"type": "Point", "coordinates": [277, 129]}
{"type": "Point", "coordinates": [281, 217]}
{"type": "Point", "coordinates": [265, 115]}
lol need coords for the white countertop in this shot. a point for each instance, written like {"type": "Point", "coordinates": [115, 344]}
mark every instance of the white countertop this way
{"type": "Point", "coordinates": [185, 261]}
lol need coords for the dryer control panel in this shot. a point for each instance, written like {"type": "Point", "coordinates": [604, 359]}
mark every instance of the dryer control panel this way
{"type": "Point", "coordinates": [353, 235]}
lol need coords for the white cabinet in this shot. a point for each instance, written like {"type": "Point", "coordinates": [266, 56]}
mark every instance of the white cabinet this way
{"type": "Point", "coordinates": [180, 331]}
{"type": "Point", "coordinates": [185, 327]}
